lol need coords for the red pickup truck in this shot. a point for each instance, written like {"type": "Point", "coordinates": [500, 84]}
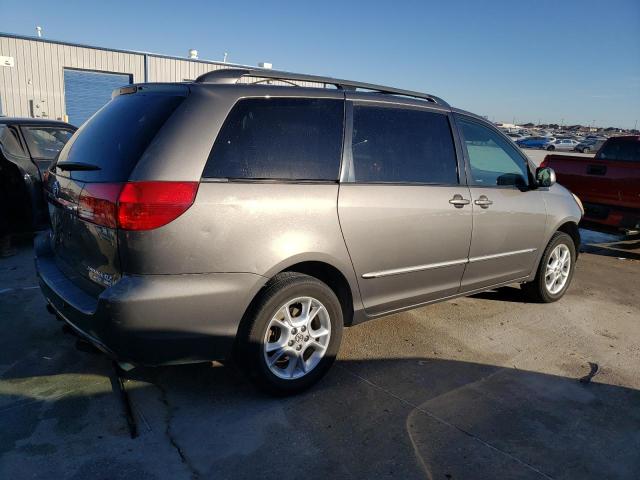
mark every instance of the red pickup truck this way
{"type": "Point", "coordinates": [608, 184]}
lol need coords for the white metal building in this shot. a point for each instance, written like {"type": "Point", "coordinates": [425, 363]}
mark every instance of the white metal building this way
{"type": "Point", "coordinates": [64, 81]}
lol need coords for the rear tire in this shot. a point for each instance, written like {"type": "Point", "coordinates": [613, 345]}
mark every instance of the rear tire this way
{"type": "Point", "coordinates": [586, 150]}
{"type": "Point", "coordinates": [291, 334]}
{"type": "Point", "coordinates": [550, 148]}
{"type": "Point", "coordinates": [555, 271]}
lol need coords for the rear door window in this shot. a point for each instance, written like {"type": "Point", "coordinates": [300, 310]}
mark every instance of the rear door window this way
{"type": "Point", "coordinates": [400, 145]}
{"type": "Point", "coordinates": [115, 137]}
{"type": "Point", "coordinates": [279, 139]}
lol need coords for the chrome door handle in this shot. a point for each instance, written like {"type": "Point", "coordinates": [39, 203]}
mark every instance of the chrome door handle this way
{"type": "Point", "coordinates": [483, 201]}
{"type": "Point", "coordinates": [459, 202]}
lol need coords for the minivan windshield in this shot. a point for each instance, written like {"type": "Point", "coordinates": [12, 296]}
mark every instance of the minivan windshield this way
{"type": "Point", "coordinates": [114, 139]}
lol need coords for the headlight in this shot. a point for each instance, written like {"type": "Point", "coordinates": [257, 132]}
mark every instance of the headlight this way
{"type": "Point", "coordinates": [579, 204]}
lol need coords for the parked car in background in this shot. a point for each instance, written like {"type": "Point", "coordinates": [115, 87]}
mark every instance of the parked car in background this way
{"type": "Point", "coordinates": [27, 148]}
{"type": "Point", "coordinates": [608, 184]}
{"type": "Point", "coordinates": [535, 142]}
{"type": "Point", "coordinates": [516, 136]}
{"type": "Point", "coordinates": [590, 145]}
{"type": "Point", "coordinates": [565, 144]}
{"type": "Point", "coordinates": [264, 234]}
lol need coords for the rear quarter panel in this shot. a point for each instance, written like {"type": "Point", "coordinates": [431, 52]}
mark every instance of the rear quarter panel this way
{"type": "Point", "coordinates": [260, 227]}
{"type": "Point", "coordinates": [251, 227]}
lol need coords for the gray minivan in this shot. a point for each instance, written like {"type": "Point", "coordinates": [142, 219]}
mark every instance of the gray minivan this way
{"type": "Point", "coordinates": [227, 217]}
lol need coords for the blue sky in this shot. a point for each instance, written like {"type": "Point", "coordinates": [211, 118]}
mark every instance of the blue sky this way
{"type": "Point", "coordinates": [537, 60]}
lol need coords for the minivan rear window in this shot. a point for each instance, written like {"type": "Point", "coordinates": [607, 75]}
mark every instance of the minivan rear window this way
{"type": "Point", "coordinates": [279, 139]}
{"type": "Point", "coordinates": [115, 138]}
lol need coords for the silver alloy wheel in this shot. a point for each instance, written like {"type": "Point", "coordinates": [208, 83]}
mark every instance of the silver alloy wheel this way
{"type": "Point", "coordinates": [558, 268]}
{"type": "Point", "coordinates": [297, 338]}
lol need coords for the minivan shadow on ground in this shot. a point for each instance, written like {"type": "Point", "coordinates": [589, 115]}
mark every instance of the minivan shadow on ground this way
{"type": "Point", "coordinates": [392, 418]}
{"type": "Point", "coordinates": [503, 294]}
{"type": "Point", "coordinates": [429, 394]}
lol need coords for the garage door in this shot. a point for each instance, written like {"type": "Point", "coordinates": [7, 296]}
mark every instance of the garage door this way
{"type": "Point", "coordinates": [85, 92]}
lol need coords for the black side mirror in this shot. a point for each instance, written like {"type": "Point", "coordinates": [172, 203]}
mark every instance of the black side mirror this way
{"type": "Point", "coordinates": [545, 176]}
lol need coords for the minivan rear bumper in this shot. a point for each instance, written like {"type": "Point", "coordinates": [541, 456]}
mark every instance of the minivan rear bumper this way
{"type": "Point", "coordinates": [152, 319]}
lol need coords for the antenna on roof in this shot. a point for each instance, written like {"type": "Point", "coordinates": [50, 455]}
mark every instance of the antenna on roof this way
{"type": "Point", "coordinates": [39, 31]}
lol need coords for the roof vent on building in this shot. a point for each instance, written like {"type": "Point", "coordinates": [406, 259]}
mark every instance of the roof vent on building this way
{"type": "Point", "coordinates": [193, 54]}
{"type": "Point", "coordinates": [267, 65]}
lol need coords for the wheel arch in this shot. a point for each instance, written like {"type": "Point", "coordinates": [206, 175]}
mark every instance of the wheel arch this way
{"type": "Point", "coordinates": [325, 271]}
{"type": "Point", "coordinates": [571, 229]}
{"type": "Point", "coordinates": [568, 226]}
{"type": "Point", "coordinates": [334, 279]}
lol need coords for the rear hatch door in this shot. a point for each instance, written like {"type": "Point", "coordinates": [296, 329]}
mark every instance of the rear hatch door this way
{"type": "Point", "coordinates": [82, 188]}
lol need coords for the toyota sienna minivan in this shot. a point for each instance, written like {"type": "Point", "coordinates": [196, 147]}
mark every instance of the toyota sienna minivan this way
{"type": "Point", "coordinates": [244, 216]}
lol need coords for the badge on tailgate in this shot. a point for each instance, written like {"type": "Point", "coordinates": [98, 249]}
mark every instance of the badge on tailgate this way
{"type": "Point", "coordinates": [102, 278]}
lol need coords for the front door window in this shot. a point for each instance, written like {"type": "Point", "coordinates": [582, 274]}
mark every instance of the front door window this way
{"type": "Point", "coordinates": [492, 158]}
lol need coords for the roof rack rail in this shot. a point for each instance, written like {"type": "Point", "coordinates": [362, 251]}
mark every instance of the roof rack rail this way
{"type": "Point", "coordinates": [232, 75]}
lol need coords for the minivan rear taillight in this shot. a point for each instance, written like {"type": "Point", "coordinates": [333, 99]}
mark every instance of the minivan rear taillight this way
{"type": "Point", "coordinates": [135, 205]}
{"type": "Point", "coordinates": [98, 203]}
{"type": "Point", "coordinates": [147, 205]}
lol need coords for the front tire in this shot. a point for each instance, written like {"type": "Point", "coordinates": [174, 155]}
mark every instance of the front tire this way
{"type": "Point", "coordinates": [292, 334]}
{"type": "Point", "coordinates": [550, 148]}
{"type": "Point", "coordinates": [554, 272]}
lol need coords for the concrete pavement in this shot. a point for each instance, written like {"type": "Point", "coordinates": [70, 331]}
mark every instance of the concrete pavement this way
{"type": "Point", "coordinates": [481, 387]}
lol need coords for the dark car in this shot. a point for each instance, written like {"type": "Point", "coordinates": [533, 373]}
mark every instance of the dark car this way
{"type": "Point", "coordinates": [27, 148]}
{"type": "Point", "coordinates": [590, 145]}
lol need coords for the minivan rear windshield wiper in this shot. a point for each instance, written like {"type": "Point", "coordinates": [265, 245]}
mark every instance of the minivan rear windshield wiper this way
{"type": "Point", "coordinates": [76, 166]}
